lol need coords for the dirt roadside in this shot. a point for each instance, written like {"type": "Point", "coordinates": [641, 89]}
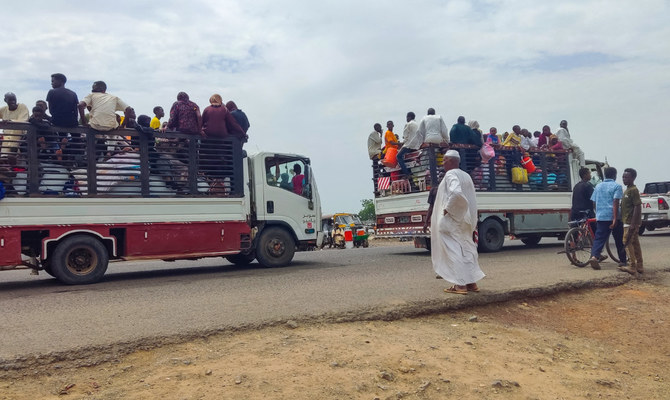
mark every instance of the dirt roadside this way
{"type": "Point", "coordinates": [602, 343]}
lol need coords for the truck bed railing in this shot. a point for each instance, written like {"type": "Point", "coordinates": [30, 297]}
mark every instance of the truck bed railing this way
{"type": "Point", "coordinates": [81, 162]}
{"type": "Point", "coordinates": [552, 171]}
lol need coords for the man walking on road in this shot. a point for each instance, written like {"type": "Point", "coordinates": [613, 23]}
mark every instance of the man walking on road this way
{"type": "Point", "coordinates": [631, 208]}
{"type": "Point", "coordinates": [454, 221]}
{"type": "Point", "coordinates": [606, 197]}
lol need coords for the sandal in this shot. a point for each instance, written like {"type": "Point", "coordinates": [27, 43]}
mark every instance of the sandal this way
{"type": "Point", "coordinates": [472, 287]}
{"type": "Point", "coordinates": [456, 290]}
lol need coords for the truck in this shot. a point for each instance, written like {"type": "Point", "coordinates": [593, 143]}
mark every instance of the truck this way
{"type": "Point", "coordinates": [537, 208]}
{"type": "Point", "coordinates": [77, 199]}
{"type": "Point", "coordinates": [655, 206]}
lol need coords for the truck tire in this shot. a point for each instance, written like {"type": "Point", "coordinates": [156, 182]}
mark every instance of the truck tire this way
{"type": "Point", "coordinates": [531, 240]}
{"type": "Point", "coordinates": [241, 259]}
{"type": "Point", "coordinates": [275, 248]}
{"type": "Point", "coordinates": [491, 236]}
{"type": "Point", "coordinates": [640, 231]}
{"type": "Point", "coordinates": [46, 266]}
{"type": "Point", "coordinates": [79, 260]}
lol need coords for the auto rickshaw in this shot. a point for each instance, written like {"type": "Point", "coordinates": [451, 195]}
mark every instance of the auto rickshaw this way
{"type": "Point", "coordinates": [336, 228]}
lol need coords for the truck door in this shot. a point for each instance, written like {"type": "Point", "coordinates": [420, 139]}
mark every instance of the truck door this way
{"type": "Point", "coordinates": [289, 196]}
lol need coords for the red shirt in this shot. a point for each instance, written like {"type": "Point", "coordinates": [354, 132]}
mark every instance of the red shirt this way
{"type": "Point", "coordinates": [297, 183]}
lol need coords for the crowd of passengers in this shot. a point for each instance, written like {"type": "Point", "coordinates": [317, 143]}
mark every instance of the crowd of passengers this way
{"type": "Point", "coordinates": [389, 153]}
{"type": "Point", "coordinates": [62, 110]}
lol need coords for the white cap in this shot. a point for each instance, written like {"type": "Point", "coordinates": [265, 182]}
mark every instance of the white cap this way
{"type": "Point", "coordinates": [452, 154]}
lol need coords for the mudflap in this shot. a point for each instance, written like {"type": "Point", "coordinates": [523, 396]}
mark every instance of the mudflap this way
{"type": "Point", "coordinates": [422, 242]}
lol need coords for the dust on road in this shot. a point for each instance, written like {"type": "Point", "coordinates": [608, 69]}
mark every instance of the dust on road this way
{"type": "Point", "coordinates": [604, 343]}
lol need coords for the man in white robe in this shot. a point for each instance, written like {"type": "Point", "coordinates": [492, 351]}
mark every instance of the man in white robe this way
{"type": "Point", "coordinates": [453, 222]}
{"type": "Point", "coordinates": [563, 135]}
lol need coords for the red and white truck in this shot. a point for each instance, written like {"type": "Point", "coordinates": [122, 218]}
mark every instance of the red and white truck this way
{"type": "Point", "coordinates": [528, 211]}
{"type": "Point", "coordinates": [126, 195]}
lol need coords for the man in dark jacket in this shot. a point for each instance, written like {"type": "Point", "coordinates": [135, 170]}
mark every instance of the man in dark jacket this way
{"type": "Point", "coordinates": [239, 115]}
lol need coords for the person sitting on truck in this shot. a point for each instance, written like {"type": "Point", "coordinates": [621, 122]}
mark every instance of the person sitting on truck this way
{"type": "Point", "coordinates": [13, 111]}
{"type": "Point", "coordinates": [433, 129]}
{"type": "Point", "coordinates": [102, 108]}
{"type": "Point", "coordinates": [526, 140]}
{"type": "Point", "coordinates": [461, 133]}
{"type": "Point", "coordinates": [375, 143]}
{"type": "Point", "coordinates": [48, 142]}
{"type": "Point", "coordinates": [239, 116]}
{"type": "Point", "coordinates": [513, 139]}
{"type": "Point", "coordinates": [492, 136]}
{"type": "Point", "coordinates": [413, 142]}
{"type": "Point", "coordinates": [543, 140]}
{"type": "Point", "coordinates": [156, 120]}
{"type": "Point", "coordinates": [185, 116]}
{"type": "Point", "coordinates": [218, 122]}
{"type": "Point", "coordinates": [297, 180]}
{"type": "Point", "coordinates": [568, 144]}
{"type": "Point", "coordinates": [390, 139]}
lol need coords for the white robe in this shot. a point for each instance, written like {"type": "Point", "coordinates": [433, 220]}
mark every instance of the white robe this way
{"type": "Point", "coordinates": [453, 251]}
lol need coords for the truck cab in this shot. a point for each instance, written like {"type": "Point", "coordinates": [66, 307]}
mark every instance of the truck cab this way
{"type": "Point", "coordinates": [286, 207]}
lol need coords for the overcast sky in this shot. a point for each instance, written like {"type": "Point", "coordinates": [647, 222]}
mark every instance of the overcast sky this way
{"type": "Point", "coordinates": [313, 77]}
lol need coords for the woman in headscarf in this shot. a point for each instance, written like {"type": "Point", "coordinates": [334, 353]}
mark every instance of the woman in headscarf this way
{"type": "Point", "coordinates": [217, 124]}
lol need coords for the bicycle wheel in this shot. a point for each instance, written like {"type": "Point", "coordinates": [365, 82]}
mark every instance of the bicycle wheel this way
{"type": "Point", "coordinates": [610, 245]}
{"type": "Point", "coordinates": [578, 243]}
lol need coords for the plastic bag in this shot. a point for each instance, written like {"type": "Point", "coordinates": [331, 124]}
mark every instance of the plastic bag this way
{"type": "Point", "coordinates": [519, 175]}
{"type": "Point", "coordinates": [487, 152]}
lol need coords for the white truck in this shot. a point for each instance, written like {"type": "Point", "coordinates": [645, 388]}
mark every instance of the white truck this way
{"type": "Point", "coordinates": [529, 211]}
{"type": "Point", "coordinates": [655, 206]}
{"type": "Point", "coordinates": [126, 195]}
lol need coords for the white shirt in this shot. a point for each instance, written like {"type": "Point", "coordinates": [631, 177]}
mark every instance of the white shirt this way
{"type": "Point", "coordinates": [374, 144]}
{"type": "Point", "coordinates": [409, 131]}
{"type": "Point", "coordinates": [564, 137]}
{"type": "Point", "coordinates": [103, 110]}
{"type": "Point", "coordinates": [433, 129]}
{"type": "Point", "coordinates": [526, 142]}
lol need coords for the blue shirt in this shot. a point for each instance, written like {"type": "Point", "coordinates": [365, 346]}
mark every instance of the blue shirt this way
{"type": "Point", "coordinates": [604, 195]}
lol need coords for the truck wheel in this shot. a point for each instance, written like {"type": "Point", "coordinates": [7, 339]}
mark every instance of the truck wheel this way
{"type": "Point", "coordinates": [79, 260]}
{"type": "Point", "coordinates": [531, 240]}
{"type": "Point", "coordinates": [241, 259]}
{"type": "Point", "coordinates": [275, 248]}
{"type": "Point", "coordinates": [491, 236]}
{"type": "Point", "coordinates": [641, 230]}
{"type": "Point", "coordinates": [366, 243]}
{"type": "Point", "coordinates": [46, 266]}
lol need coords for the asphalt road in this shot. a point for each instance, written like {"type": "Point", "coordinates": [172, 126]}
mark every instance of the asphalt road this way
{"type": "Point", "coordinates": [143, 301]}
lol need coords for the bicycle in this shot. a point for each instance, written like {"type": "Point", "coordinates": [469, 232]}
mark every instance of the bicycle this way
{"type": "Point", "coordinates": [579, 241]}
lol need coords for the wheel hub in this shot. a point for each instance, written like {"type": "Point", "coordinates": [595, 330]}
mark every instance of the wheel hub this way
{"type": "Point", "coordinates": [81, 261]}
{"type": "Point", "coordinates": [276, 247]}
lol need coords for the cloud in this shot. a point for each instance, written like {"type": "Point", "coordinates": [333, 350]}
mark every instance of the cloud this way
{"type": "Point", "coordinates": [314, 77]}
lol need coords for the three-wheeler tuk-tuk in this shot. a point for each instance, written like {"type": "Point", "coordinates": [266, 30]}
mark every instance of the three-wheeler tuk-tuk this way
{"type": "Point", "coordinates": [337, 228]}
